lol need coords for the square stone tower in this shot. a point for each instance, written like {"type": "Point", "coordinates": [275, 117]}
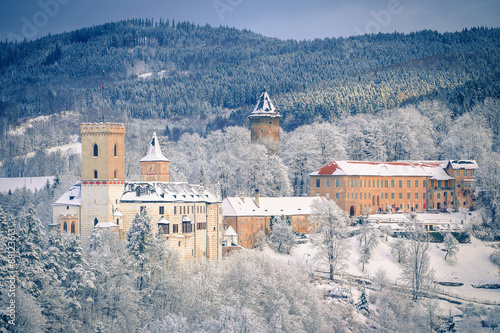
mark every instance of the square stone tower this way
{"type": "Point", "coordinates": [103, 173]}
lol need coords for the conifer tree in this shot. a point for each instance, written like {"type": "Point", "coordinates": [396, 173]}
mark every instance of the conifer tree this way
{"type": "Point", "coordinates": [9, 259]}
{"type": "Point", "coordinates": [31, 239]}
{"type": "Point", "coordinates": [362, 304]}
{"type": "Point", "coordinates": [140, 243]}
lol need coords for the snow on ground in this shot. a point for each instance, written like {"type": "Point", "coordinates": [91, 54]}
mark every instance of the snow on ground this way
{"type": "Point", "coordinates": [470, 267]}
{"type": "Point", "coordinates": [71, 148]}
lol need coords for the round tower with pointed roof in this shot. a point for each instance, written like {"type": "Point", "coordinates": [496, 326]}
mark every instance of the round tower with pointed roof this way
{"type": "Point", "coordinates": [265, 121]}
{"type": "Point", "coordinates": [154, 166]}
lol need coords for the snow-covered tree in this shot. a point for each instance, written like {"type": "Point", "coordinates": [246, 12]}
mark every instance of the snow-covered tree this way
{"type": "Point", "coordinates": [9, 260]}
{"type": "Point", "coordinates": [416, 270]}
{"type": "Point", "coordinates": [398, 249]}
{"type": "Point", "coordinates": [368, 241]}
{"type": "Point", "coordinates": [140, 245]}
{"type": "Point", "coordinates": [31, 243]}
{"type": "Point", "coordinates": [450, 245]}
{"type": "Point", "coordinates": [380, 278]}
{"type": "Point", "coordinates": [116, 304]}
{"type": "Point", "coordinates": [330, 223]}
{"type": "Point", "coordinates": [79, 282]}
{"type": "Point", "coordinates": [362, 305]}
{"type": "Point", "coordinates": [281, 237]}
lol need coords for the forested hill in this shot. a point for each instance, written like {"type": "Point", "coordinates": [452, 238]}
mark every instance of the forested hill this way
{"type": "Point", "coordinates": [166, 69]}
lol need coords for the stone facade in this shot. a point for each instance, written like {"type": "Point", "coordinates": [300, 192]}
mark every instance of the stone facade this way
{"type": "Point", "coordinates": [265, 123]}
{"type": "Point", "coordinates": [189, 215]}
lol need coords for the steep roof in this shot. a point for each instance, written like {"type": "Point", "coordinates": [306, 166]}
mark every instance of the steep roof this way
{"type": "Point", "coordinates": [265, 107]}
{"type": "Point", "coordinates": [154, 151]}
{"type": "Point", "coordinates": [165, 192]}
{"type": "Point", "coordinates": [433, 169]}
{"type": "Point", "coordinates": [235, 206]}
{"type": "Point", "coordinates": [71, 197]}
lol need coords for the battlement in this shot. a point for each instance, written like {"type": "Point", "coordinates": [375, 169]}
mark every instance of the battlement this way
{"type": "Point", "coordinates": [102, 128]}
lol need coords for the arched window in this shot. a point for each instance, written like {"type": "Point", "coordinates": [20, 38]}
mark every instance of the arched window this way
{"type": "Point", "coordinates": [95, 174]}
{"type": "Point", "coordinates": [96, 221]}
{"type": "Point", "coordinates": [114, 150]}
{"type": "Point", "coordinates": [72, 227]}
{"type": "Point", "coordinates": [116, 172]}
{"type": "Point", "coordinates": [96, 150]}
{"type": "Point", "coordinates": [65, 227]}
{"type": "Point", "coordinates": [118, 221]}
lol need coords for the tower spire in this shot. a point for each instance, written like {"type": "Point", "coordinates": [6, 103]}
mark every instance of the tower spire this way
{"type": "Point", "coordinates": [154, 166]}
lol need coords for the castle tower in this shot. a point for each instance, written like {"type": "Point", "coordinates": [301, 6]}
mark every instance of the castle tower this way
{"type": "Point", "coordinates": [103, 174]}
{"type": "Point", "coordinates": [265, 122]}
{"type": "Point", "coordinates": [154, 166]}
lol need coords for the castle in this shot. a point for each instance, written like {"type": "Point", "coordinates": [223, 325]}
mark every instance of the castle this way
{"type": "Point", "coordinates": [189, 215]}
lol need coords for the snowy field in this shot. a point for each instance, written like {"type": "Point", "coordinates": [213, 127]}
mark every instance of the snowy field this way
{"type": "Point", "coordinates": [471, 266]}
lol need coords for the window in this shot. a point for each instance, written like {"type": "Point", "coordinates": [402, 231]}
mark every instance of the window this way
{"type": "Point", "coordinates": [72, 227]}
{"type": "Point", "coordinates": [203, 226]}
{"type": "Point", "coordinates": [96, 221]}
{"type": "Point", "coordinates": [369, 183]}
{"type": "Point", "coordinates": [328, 195]}
{"type": "Point", "coordinates": [400, 195]}
{"type": "Point", "coordinates": [365, 182]}
{"type": "Point", "coordinates": [387, 195]}
{"type": "Point", "coordinates": [65, 227]}
{"type": "Point", "coordinates": [356, 183]}
{"type": "Point", "coordinates": [392, 183]}
{"type": "Point", "coordinates": [465, 173]}
{"type": "Point", "coordinates": [416, 183]}
{"type": "Point", "coordinates": [161, 210]}
{"type": "Point", "coordinates": [386, 183]}
{"type": "Point", "coordinates": [424, 183]}
{"type": "Point", "coordinates": [369, 195]}
{"type": "Point", "coordinates": [439, 183]}
{"type": "Point", "coordinates": [115, 173]}
{"type": "Point", "coordinates": [408, 183]}
{"type": "Point", "coordinates": [400, 206]}
{"type": "Point", "coordinates": [175, 229]}
{"type": "Point", "coordinates": [114, 151]}
{"type": "Point", "coordinates": [416, 196]}
{"type": "Point", "coordinates": [117, 221]}
{"type": "Point", "coordinates": [458, 173]}
{"type": "Point", "coordinates": [179, 243]}
{"type": "Point", "coordinates": [175, 210]}
{"type": "Point", "coordinates": [392, 195]}
{"type": "Point", "coordinates": [424, 196]}
{"type": "Point", "coordinates": [439, 195]}
{"type": "Point", "coordinates": [472, 172]}
{"type": "Point", "coordinates": [328, 183]}
{"type": "Point", "coordinates": [337, 196]}
{"type": "Point", "coordinates": [95, 174]}
{"type": "Point", "coordinates": [356, 195]}
{"type": "Point", "coordinates": [446, 183]}
{"type": "Point", "coordinates": [432, 182]}
{"type": "Point", "coordinates": [408, 195]}
{"type": "Point", "coordinates": [430, 196]}
{"type": "Point", "coordinates": [187, 227]}
{"type": "Point", "coordinates": [165, 228]}
{"type": "Point", "coordinates": [337, 183]}
{"type": "Point", "coordinates": [348, 195]}
{"type": "Point", "coordinates": [365, 195]}
{"type": "Point", "coordinates": [318, 183]}
{"type": "Point", "coordinates": [400, 184]}
{"type": "Point", "coordinates": [378, 182]}
{"type": "Point", "coordinates": [96, 150]}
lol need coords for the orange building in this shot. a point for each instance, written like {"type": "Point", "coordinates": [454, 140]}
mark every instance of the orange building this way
{"type": "Point", "coordinates": [360, 187]}
{"type": "Point", "coordinates": [249, 215]}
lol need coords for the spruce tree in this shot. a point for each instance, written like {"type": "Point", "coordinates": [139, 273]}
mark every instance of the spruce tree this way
{"type": "Point", "coordinates": [362, 304]}
{"type": "Point", "coordinates": [9, 259]}
{"type": "Point", "coordinates": [31, 239]}
{"type": "Point", "coordinates": [140, 243]}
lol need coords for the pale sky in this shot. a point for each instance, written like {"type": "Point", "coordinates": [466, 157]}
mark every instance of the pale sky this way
{"type": "Point", "coordinates": [285, 19]}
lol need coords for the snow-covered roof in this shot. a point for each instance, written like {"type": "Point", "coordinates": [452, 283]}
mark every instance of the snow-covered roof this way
{"type": "Point", "coordinates": [234, 206]}
{"type": "Point", "coordinates": [71, 197]}
{"type": "Point", "coordinates": [230, 232]}
{"type": "Point", "coordinates": [154, 151]}
{"type": "Point", "coordinates": [163, 220]}
{"type": "Point", "coordinates": [433, 169]}
{"type": "Point", "coordinates": [165, 192]}
{"type": "Point", "coordinates": [117, 213]}
{"type": "Point", "coordinates": [31, 183]}
{"type": "Point", "coordinates": [464, 164]}
{"type": "Point", "coordinates": [265, 107]}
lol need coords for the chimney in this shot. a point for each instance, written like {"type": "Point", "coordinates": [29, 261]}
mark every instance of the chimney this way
{"type": "Point", "coordinates": [257, 197]}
